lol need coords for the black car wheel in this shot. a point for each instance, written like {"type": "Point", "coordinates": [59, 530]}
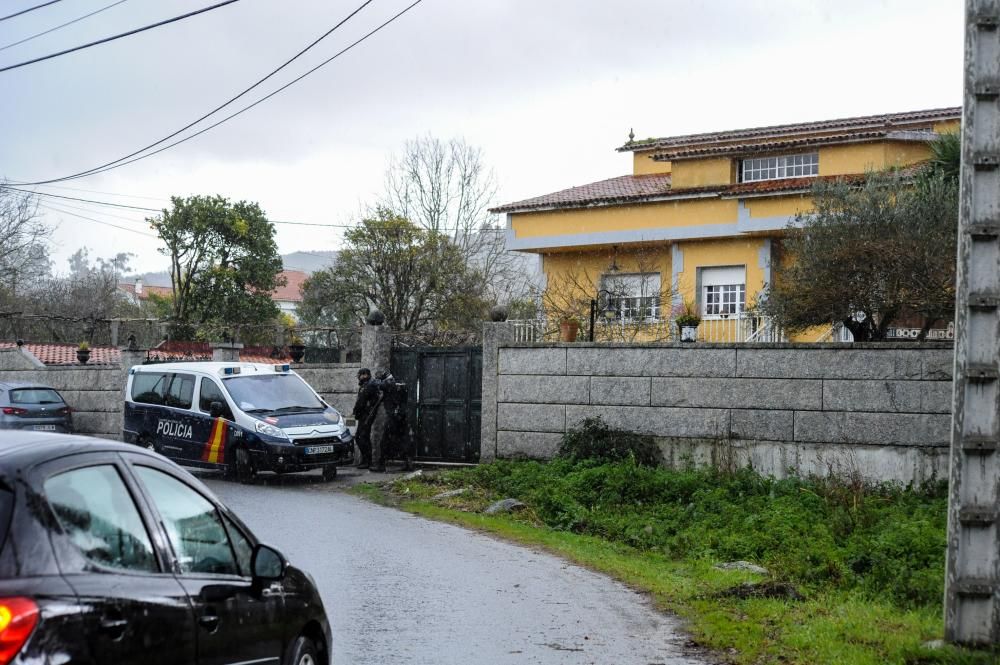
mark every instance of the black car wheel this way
{"type": "Point", "coordinates": [329, 472]}
{"type": "Point", "coordinates": [243, 470]}
{"type": "Point", "coordinates": [303, 652]}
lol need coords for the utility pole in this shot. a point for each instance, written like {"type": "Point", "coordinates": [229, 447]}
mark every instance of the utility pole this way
{"type": "Point", "coordinates": [972, 584]}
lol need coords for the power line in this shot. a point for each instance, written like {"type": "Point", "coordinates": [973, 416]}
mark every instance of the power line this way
{"type": "Point", "coordinates": [95, 191]}
{"type": "Point", "coordinates": [97, 221]}
{"type": "Point", "coordinates": [63, 25]}
{"type": "Point", "coordinates": [29, 9]}
{"type": "Point", "coordinates": [244, 109]}
{"type": "Point", "coordinates": [119, 36]}
{"type": "Point", "coordinates": [216, 109]}
{"type": "Point", "coordinates": [28, 193]}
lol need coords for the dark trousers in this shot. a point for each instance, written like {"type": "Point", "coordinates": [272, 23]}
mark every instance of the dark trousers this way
{"type": "Point", "coordinates": [364, 441]}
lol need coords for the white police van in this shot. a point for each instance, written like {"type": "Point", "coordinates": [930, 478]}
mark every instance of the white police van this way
{"type": "Point", "coordinates": [239, 417]}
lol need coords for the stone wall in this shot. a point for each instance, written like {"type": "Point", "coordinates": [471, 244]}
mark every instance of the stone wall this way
{"type": "Point", "coordinates": [96, 392]}
{"type": "Point", "coordinates": [883, 410]}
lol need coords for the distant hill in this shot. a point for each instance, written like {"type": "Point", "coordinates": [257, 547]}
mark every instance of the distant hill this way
{"type": "Point", "coordinates": [309, 262]}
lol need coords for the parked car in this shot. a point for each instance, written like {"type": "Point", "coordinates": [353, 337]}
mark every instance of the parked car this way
{"type": "Point", "coordinates": [35, 407]}
{"type": "Point", "coordinates": [237, 417]}
{"type": "Point", "coordinates": [110, 553]}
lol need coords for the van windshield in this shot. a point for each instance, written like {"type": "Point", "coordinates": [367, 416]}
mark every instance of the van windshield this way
{"type": "Point", "coordinates": [277, 393]}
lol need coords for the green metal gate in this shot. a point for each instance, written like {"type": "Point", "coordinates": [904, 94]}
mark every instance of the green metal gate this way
{"type": "Point", "coordinates": [445, 400]}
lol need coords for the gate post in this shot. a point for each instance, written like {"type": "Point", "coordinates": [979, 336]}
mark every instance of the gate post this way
{"type": "Point", "coordinates": [495, 335]}
{"type": "Point", "coordinates": [376, 344]}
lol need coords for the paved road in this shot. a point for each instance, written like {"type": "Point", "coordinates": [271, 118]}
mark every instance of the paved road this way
{"type": "Point", "coordinates": [401, 589]}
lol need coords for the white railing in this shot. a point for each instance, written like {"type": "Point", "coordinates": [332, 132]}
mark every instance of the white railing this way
{"type": "Point", "coordinates": [528, 330]}
{"type": "Point", "coordinates": [743, 327]}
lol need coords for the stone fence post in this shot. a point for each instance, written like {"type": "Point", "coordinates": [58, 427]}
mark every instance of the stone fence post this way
{"type": "Point", "coordinates": [226, 352]}
{"type": "Point", "coordinates": [376, 345]}
{"type": "Point", "coordinates": [132, 357]}
{"type": "Point", "coordinates": [495, 335]}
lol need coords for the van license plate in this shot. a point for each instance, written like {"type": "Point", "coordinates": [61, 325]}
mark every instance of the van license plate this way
{"type": "Point", "coordinates": [45, 428]}
{"type": "Point", "coordinates": [318, 450]}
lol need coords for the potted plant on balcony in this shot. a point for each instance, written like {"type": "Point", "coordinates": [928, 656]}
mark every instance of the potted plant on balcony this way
{"type": "Point", "coordinates": [83, 352]}
{"type": "Point", "coordinates": [296, 349]}
{"type": "Point", "coordinates": [687, 320]}
{"type": "Point", "coordinates": [569, 326]}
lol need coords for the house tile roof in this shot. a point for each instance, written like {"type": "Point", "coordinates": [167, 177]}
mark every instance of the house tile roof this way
{"type": "Point", "coordinates": [791, 144]}
{"type": "Point", "coordinates": [163, 291]}
{"type": "Point", "coordinates": [885, 122]}
{"type": "Point", "coordinates": [626, 188]}
{"type": "Point", "coordinates": [292, 290]}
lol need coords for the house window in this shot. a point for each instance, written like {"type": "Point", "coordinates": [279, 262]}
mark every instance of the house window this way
{"type": "Point", "coordinates": [633, 297]}
{"type": "Point", "coordinates": [724, 291]}
{"type": "Point", "coordinates": [776, 168]}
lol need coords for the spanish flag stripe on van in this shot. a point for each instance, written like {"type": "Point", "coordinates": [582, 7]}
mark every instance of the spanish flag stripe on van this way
{"type": "Point", "coordinates": [215, 448]}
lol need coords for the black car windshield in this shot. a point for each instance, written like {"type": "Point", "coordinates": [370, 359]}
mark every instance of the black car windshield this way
{"type": "Point", "coordinates": [34, 396]}
{"type": "Point", "coordinates": [264, 393]}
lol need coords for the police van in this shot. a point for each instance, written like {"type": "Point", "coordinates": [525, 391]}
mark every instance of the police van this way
{"type": "Point", "coordinates": [238, 417]}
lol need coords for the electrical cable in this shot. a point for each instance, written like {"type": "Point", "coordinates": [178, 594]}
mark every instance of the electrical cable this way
{"type": "Point", "coordinates": [63, 25]}
{"type": "Point", "coordinates": [29, 9]}
{"type": "Point", "coordinates": [96, 169]}
{"type": "Point", "coordinates": [75, 198]}
{"type": "Point", "coordinates": [118, 36]}
{"type": "Point", "coordinates": [241, 111]}
{"type": "Point", "coordinates": [97, 221]}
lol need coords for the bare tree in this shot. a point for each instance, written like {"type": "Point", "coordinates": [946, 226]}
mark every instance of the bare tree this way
{"type": "Point", "coordinates": [632, 301]}
{"type": "Point", "coordinates": [446, 187]}
{"type": "Point", "coordinates": [23, 241]}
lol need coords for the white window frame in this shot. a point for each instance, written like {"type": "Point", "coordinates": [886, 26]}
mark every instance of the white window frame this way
{"type": "Point", "coordinates": [779, 167]}
{"type": "Point", "coordinates": [723, 291]}
{"type": "Point", "coordinates": [635, 297]}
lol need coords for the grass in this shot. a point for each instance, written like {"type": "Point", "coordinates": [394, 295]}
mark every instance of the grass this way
{"type": "Point", "coordinates": [869, 560]}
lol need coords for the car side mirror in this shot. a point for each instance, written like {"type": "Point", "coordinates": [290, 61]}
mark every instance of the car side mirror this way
{"type": "Point", "coordinates": [216, 409]}
{"type": "Point", "coordinates": [267, 564]}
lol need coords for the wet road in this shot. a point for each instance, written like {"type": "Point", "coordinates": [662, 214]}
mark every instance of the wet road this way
{"type": "Point", "coordinates": [401, 589]}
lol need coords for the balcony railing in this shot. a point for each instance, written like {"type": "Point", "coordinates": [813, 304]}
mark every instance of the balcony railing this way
{"type": "Point", "coordinates": [743, 327]}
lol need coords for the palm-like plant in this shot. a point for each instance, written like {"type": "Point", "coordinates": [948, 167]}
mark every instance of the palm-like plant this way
{"type": "Point", "coordinates": [946, 155]}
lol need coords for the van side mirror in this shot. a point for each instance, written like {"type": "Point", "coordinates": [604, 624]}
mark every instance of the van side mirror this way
{"type": "Point", "coordinates": [267, 564]}
{"type": "Point", "coordinates": [216, 409]}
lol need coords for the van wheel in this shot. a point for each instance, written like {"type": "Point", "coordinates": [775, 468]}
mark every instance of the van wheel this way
{"type": "Point", "coordinates": [303, 651]}
{"type": "Point", "coordinates": [329, 472]}
{"type": "Point", "coordinates": [242, 466]}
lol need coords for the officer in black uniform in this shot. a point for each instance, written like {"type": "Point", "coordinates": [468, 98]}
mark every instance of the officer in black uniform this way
{"type": "Point", "coordinates": [364, 413]}
{"type": "Point", "coordinates": [390, 432]}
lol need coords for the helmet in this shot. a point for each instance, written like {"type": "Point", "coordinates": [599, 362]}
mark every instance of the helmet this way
{"type": "Point", "coordinates": [364, 371]}
{"type": "Point", "coordinates": [383, 375]}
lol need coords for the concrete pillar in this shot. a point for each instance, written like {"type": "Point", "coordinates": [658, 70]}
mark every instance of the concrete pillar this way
{"type": "Point", "coordinates": [376, 347]}
{"type": "Point", "coordinates": [495, 336]}
{"type": "Point", "coordinates": [115, 325]}
{"type": "Point", "coordinates": [226, 352]}
{"type": "Point", "coordinates": [132, 357]}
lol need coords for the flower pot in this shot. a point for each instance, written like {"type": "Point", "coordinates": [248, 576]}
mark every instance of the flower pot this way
{"type": "Point", "coordinates": [568, 331]}
{"type": "Point", "coordinates": [83, 356]}
{"type": "Point", "coordinates": [689, 333]}
{"type": "Point", "coordinates": [297, 351]}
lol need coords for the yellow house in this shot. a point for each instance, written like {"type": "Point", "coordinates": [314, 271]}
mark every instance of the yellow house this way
{"type": "Point", "coordinates": [697, 219]}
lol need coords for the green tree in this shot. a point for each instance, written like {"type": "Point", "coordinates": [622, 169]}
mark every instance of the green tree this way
{"type": "Point", "coordinates": [417, 278]}
{"type": "Point", "coordinates": [868, 253]}
{"type": "Point", "coordinates": [224, 263]}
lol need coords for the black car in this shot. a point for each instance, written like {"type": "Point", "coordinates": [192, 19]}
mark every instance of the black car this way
{"type": "Point", "coordinates": [110, 553]}
{"type": "Point", "coordinates": [35, 407]}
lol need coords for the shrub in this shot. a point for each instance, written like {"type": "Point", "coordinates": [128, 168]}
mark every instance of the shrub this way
{"type": "Point", "coordinates": [594, 440]}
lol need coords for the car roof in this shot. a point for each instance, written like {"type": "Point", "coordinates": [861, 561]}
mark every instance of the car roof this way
{"type": "Point", "coordinates": [12, 385]}
{"type": "Point", "coordinates": [21, 449]}
{"type": "Point", "coordinates": [209, 367]}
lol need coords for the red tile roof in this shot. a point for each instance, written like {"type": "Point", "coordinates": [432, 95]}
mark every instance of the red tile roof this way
{"type": "Point", "coordinates": [163, 291]}
{"type": "Point", "coordinates": [886, 122]}
{"type": "Point", "coordinates": [65, 354]}
{"type": "Point", "coordinates": [626, 188]}
{"type": "Point", "coordinates": [292, 290]}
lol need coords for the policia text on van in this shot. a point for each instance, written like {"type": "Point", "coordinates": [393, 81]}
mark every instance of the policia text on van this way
{"type": "Point", "coordinates": [241, 417]}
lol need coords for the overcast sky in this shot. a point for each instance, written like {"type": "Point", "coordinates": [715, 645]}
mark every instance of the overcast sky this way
{"type": "Point", "coordinates": [547, 88]}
